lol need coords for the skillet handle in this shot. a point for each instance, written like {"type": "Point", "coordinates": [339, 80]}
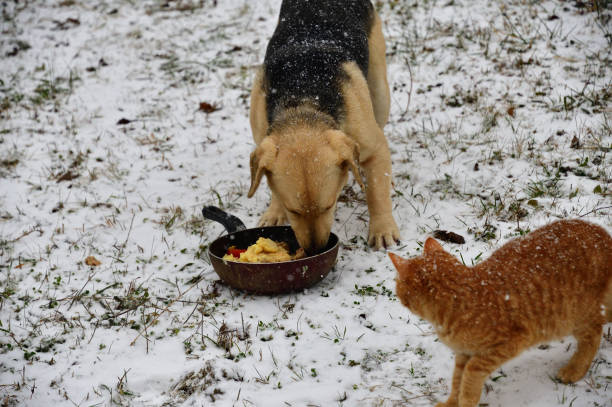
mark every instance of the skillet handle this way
{"type": "Point", "coordinates": [230, 222]}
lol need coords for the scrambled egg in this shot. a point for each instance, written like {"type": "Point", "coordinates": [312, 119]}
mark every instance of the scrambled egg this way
{"type": "Point", "coordinates": [266, 251]}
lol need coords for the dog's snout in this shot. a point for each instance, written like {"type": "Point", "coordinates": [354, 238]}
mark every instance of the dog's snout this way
{"type": "Point", "coordinates": [316, 246]}
{"type": "Point", "coordinates": [318, 241]}
{"type": "Point", "coordinates": [309, 245]}
{"type": "Point", "coordinates": [312, 240]}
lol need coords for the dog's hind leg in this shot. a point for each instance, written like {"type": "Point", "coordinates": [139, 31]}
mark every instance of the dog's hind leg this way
{"type": "Point", "coordinates": [377, 74]}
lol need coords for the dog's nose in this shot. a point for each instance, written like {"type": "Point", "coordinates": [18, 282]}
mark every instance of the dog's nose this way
{"type": "Point", "coordinates": [311, 239]}
{"type": "Point", "coordinates": [318, 244]}
{"type": "Point", "coordinates": [305, 241]}
{"type": "Point", "coordinates": [312, 246]}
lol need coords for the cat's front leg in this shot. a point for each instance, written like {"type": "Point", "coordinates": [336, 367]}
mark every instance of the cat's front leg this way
{"type": "Point", "coordinates": [479, 367]}
{"type": "Point", "coordinates": [460, 362]}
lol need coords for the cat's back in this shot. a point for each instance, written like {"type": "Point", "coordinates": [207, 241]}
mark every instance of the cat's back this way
{"type": "Point", "coordinates": [550, 279]}
{"type": "Point", "coordinates": [560, 247]}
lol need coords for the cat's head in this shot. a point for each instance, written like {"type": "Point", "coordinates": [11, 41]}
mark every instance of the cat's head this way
{"type": "Point", "coordinates": [416, 276]}
{"type": "Point", "coordinates": [408, 268]}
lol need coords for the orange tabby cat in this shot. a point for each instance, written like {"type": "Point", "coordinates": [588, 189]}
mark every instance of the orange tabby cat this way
{"type": "Point", "coordinates": [553, 282]}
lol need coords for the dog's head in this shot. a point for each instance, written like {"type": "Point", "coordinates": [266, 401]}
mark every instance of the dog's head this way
{"type": "Point", "coordinates": [306, 170]}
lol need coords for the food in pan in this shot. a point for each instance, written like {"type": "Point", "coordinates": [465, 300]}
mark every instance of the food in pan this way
{"type": "Point", "coordinates": [263, 251]}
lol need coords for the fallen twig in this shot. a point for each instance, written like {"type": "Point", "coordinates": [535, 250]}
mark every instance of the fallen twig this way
{"type": "Point", "coordinates": [164, 310]}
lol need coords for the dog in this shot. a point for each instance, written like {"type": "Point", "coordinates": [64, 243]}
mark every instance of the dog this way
{"type": "Point", "coordinates": [318, 107]}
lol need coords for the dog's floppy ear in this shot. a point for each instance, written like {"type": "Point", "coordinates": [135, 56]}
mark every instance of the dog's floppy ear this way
{"type": "Point", "coordinates": [348, 151]}
{"type": "Point", "coordinates": [261, 159]}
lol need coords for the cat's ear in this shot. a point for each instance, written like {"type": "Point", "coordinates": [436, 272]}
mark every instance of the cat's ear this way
{"type": "Point", "coordinates": [396, 260]}
{"type": "Point", "coordinates": [432, 245]}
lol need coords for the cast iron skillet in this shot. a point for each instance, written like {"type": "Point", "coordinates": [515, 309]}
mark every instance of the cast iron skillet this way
{"type": "Point", "coordinates": [266, 278]}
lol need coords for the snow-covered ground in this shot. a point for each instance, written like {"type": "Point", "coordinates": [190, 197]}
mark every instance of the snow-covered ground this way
{"type": "Point", "coordinates": [120, 119]}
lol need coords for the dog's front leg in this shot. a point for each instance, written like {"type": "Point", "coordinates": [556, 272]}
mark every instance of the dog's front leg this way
{"type": "Point", "coordinates": [383, 229]}
{"type": "Point", "coordinates": [275, 214]}
{"type": "Point", "coordinates": [360, 123]}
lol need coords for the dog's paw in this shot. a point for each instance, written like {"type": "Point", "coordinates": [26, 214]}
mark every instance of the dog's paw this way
{"type": "Point", "coordinates": [383, 232]}
{"type": "Point", "coordinates": [273, 218]}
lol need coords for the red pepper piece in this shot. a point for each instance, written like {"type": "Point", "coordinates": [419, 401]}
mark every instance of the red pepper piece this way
{"type": "Point", "coordinates": [235, 252]}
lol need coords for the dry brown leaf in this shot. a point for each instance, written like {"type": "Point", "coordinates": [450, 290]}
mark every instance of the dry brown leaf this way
{"type": "Point", "coordinates": [92, 261]}
{"type": "Point", "coordinates": [208, 108]}
{"type": "Point", "coordinates": [450, 237]}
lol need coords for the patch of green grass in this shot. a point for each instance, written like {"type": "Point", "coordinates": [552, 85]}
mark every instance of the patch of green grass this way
{"type": "Point", "coordinates": [548, 187]}
{"type": "Point", "coordinates": [446, 187]}
{"type": "Point", "coordinates": [48, 90]}
{"type": "Point", "coordinates": [589, 100]}
{"type": "Point", "coordinates": [171, 217]}
{"type": "Point", "coordinates": [371, 291]}
{"type": "Point", "coordinates": [10, 99]}
{"type": "Point", "coordinates": [485, 233]}
{"type": "Point", "coordinates": [9, 159]}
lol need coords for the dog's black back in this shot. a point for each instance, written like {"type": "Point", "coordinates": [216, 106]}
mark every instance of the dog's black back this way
{"type": "Point", "coordinates": [311, 42]}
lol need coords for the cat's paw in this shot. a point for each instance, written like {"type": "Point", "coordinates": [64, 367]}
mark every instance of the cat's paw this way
{"type": "Point", "coordinates": [569, 374]}
{"type": "Point", "coordinates": [447, 404]}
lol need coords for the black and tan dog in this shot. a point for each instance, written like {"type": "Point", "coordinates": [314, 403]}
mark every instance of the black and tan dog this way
{"type": "Point", "coordinates": [318, 107]}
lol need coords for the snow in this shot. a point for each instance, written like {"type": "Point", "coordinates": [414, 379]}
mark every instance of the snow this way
{"type": "Point", "coordinates": [135, 204]}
